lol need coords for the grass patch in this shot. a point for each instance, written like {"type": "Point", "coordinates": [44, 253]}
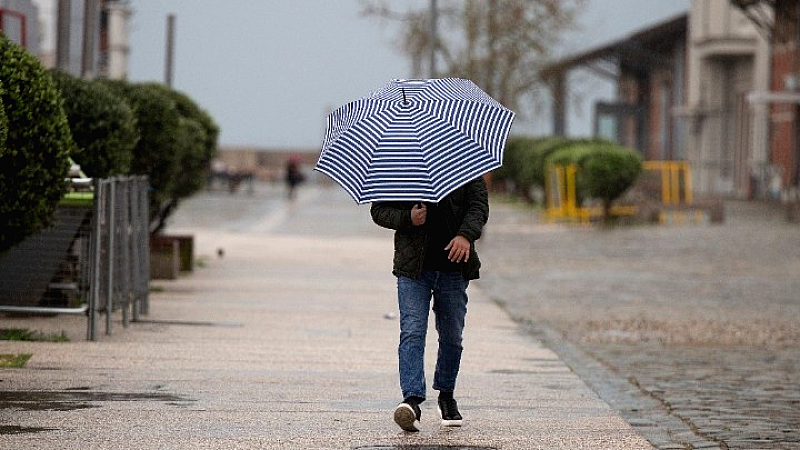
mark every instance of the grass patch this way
{"type": "Point", "coordinates": [20, 334]}
{"type": "Point", "coordinates": [8, 361]}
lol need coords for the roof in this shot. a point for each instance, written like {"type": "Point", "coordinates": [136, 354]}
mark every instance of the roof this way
{"type": "Point", "coordinates": [644, 48]}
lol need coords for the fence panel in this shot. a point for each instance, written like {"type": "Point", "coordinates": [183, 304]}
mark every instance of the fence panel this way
{"type": "Point", "coordinates": [120, 268]}
{"type": "Point", "coordinates": [94, 260]}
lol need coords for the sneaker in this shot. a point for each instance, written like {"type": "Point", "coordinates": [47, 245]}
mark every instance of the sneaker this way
{"type": "Point", "coordinates": [407, 415]}
{"type": "Point", "coordinates": [448, 409]}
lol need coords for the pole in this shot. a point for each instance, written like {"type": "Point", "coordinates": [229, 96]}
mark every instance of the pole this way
{"type": "Point", "coordinates": [433, 39]}
{"type": "Point", "coordinates": [168, 66]}
{"type": "Point", "coordinates": [91, 21]}
{"type": "Point", "coordinates": [62, 40]}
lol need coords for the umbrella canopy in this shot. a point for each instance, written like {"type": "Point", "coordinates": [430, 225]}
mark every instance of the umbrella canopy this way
{"type": "Point", "coordinates": [414, 140]}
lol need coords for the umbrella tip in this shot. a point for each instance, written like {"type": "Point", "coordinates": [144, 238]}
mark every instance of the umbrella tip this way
{"type": "Point", "coordinates": [405, 102]}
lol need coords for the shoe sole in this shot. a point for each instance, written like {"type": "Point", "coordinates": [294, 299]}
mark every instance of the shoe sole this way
{"type": "Point", "coordinates": [450, 423]}
{"type": "Point", "coordinates": [405, 416]}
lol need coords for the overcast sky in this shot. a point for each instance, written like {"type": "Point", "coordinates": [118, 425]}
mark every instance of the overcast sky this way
{"type": "Point", "coordinates": [268, 71]}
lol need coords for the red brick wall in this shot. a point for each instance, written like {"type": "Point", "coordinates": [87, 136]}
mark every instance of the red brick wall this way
{"type": "Point", "coordinates": [784, 122]}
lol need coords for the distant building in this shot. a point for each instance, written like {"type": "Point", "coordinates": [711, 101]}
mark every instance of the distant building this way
{"type": "Point", "coordinates": [114, 39]}
{"type": "Point", "coordinates": [779, 22]}
{"type": "Point", "coordinates": [86, 38]}
{"type": "Point", "coordinates": [649, 70]}
{"type": "Point", "coordinates": [718, 87]}
{"type": "Point", "coordinates": [19, 23]}
{"type": "Point", "coordinates": [728, 59]}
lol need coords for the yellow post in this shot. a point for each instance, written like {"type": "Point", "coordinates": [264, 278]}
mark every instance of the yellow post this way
{"type": "Point", "coordinates": [675, 182]}
{"type": "Point", "coordinates": [687, 183]}
{"type": "Point", "coordinates": [571, 200]}
{"type": "Point", "coordinates": [665, 191]}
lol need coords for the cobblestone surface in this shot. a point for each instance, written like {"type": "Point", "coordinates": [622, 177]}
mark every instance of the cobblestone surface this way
{"type": "Point", "coordinates": [691, 331]}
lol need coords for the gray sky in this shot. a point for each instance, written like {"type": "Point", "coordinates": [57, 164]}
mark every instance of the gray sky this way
{"type": "Point", "coordinates": [268, 71]}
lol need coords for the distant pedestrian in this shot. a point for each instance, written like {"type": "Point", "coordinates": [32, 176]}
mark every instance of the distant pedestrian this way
{"type": "Point", "coordinates": [293, 176]}
{"type": "Point", "coordinates": [434, 257]}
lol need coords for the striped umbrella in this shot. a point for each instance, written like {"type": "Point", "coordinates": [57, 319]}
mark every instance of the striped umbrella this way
{"type": "Point", "coordinates": [414, 140]}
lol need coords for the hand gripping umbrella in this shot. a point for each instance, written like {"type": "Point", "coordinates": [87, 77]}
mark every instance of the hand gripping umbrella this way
{"type": "Point", "coordinates": [414, 140]}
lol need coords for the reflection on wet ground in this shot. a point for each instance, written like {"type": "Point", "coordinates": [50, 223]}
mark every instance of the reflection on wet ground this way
{"type": "Point", "coordinates": [71, 400]}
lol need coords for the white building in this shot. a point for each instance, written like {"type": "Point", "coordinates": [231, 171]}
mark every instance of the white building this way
{"type": "Point", "coordinates": [19, 22]}
{"type": "Point", "coordinates": [86, 38]}
{"type": "Point", "coordinates": [727, 142]}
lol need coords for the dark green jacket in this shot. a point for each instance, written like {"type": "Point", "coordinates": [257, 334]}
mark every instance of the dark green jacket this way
{"type": "Point", "coordinates": [466, 211]}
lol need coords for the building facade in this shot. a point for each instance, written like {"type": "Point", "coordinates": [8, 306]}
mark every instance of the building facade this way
{"type": "Point", "coordinates": [727, 142]}
{"type": "Point", "coordinates": [19, 23]}
{"type": "Point", "coordinates": [785, 108]}
{"type": "Point", "coordinates": [85, 38]}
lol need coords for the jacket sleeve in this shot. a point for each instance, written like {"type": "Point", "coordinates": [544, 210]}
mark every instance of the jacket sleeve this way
{"type": "Point", "coordinates": [477, 213]}
{"type": "Point", "coordinates": [392, 215]}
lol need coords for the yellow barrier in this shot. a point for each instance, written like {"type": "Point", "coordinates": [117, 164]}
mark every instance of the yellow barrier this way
{"type": "Point", "coordinates": [676, 189]}
{"type": "Point", "coordinates": [562, 203]}
{"type": "Point", "coordinates": [672, 172]}
{"type": "Point", "coordinates": [560, 190]}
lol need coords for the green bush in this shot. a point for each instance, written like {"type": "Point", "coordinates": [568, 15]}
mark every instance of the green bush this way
{"type": "Point", "coordinates": [157, 153]}
{"type": "Point", "coordinates": [3, 120]}
{"type": "Point", "coordinates": [609, 172]}
{"type": "Point", "coordinates": [196, 142]}
{"type": "Point", "coordinates": [35, 158]}
{"type": "Point", "coordinates": [605, 170]}
{"type": "Point", "coordinates": [177, 142]}
{"type": "Point", "coordinates": [514, 154]}
{"type": "Point", "coordinates": [102, 124]}
{"type": "Point", "coordinates": [533, 170]}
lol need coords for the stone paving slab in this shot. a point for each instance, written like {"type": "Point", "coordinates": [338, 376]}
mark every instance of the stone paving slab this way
{"type": "Point", "coordinates": [288, 341]}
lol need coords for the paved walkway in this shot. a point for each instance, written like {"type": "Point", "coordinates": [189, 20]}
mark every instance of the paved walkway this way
{"type": "Point", "coordinates": [288, 341]}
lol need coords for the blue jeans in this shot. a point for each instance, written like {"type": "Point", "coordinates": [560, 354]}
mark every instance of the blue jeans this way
{"type": "Point", "coordinates": [449, 292]}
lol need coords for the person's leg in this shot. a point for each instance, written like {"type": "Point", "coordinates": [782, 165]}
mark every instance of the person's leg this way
{"type": "Point", "coordinates": [450, 307]}
{"type": "Point", "coordinates": [414, 297]}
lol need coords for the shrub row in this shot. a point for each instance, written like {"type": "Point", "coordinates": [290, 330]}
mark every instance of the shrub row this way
{"type": "Point", "coordinates": [108, 127]}
{"type": "Point", "coordinates": [34, 159]}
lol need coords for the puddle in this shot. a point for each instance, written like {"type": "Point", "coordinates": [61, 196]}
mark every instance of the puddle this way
{"type": "Point", "coordinates": [77, 398]}
{"type": "Point", "coordinates": [11, 429]}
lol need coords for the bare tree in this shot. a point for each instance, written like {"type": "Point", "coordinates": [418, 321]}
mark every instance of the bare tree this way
{"type": "Point", "coordinates": [498, 44]}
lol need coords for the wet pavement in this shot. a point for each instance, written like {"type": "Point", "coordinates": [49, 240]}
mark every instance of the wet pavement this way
{"type": "Point", "coordinates": [691, 331]}
{"type": "Point", "coordinates": [285, 337]}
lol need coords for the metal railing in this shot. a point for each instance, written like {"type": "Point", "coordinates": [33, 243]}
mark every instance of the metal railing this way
{"type": "Point", "coordinates": [94, 260]}
{"type": "Point", "coordinates": [120, 252]}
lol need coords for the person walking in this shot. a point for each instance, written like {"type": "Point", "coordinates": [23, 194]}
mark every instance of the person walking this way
{"type": "Point", "coordinates": [434, 258]}
{"type": "Point", "coordinates": [293, 177]}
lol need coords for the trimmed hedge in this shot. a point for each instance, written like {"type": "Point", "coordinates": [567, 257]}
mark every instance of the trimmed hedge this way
{"type": "Point", "coordinates": [177, 142]}
{"type": "Point", "coordinates": [157, 153]}
{"type": "Point", "coordinates": [102, 124]}
{"type": "Point", "coordinates": [35, 158]}
{"type": "Point", "coordinates": [3, 120]}
{"type": "Point", "coordinates": [605, 170]}
{"type": "Point", "coordinates": [198, 140]}
{"type": "Point", "coordinates": [196, 143]}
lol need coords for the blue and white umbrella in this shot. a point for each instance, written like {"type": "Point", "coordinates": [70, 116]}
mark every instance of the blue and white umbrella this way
{"type": "Point", "coordinates": [414, 140]}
